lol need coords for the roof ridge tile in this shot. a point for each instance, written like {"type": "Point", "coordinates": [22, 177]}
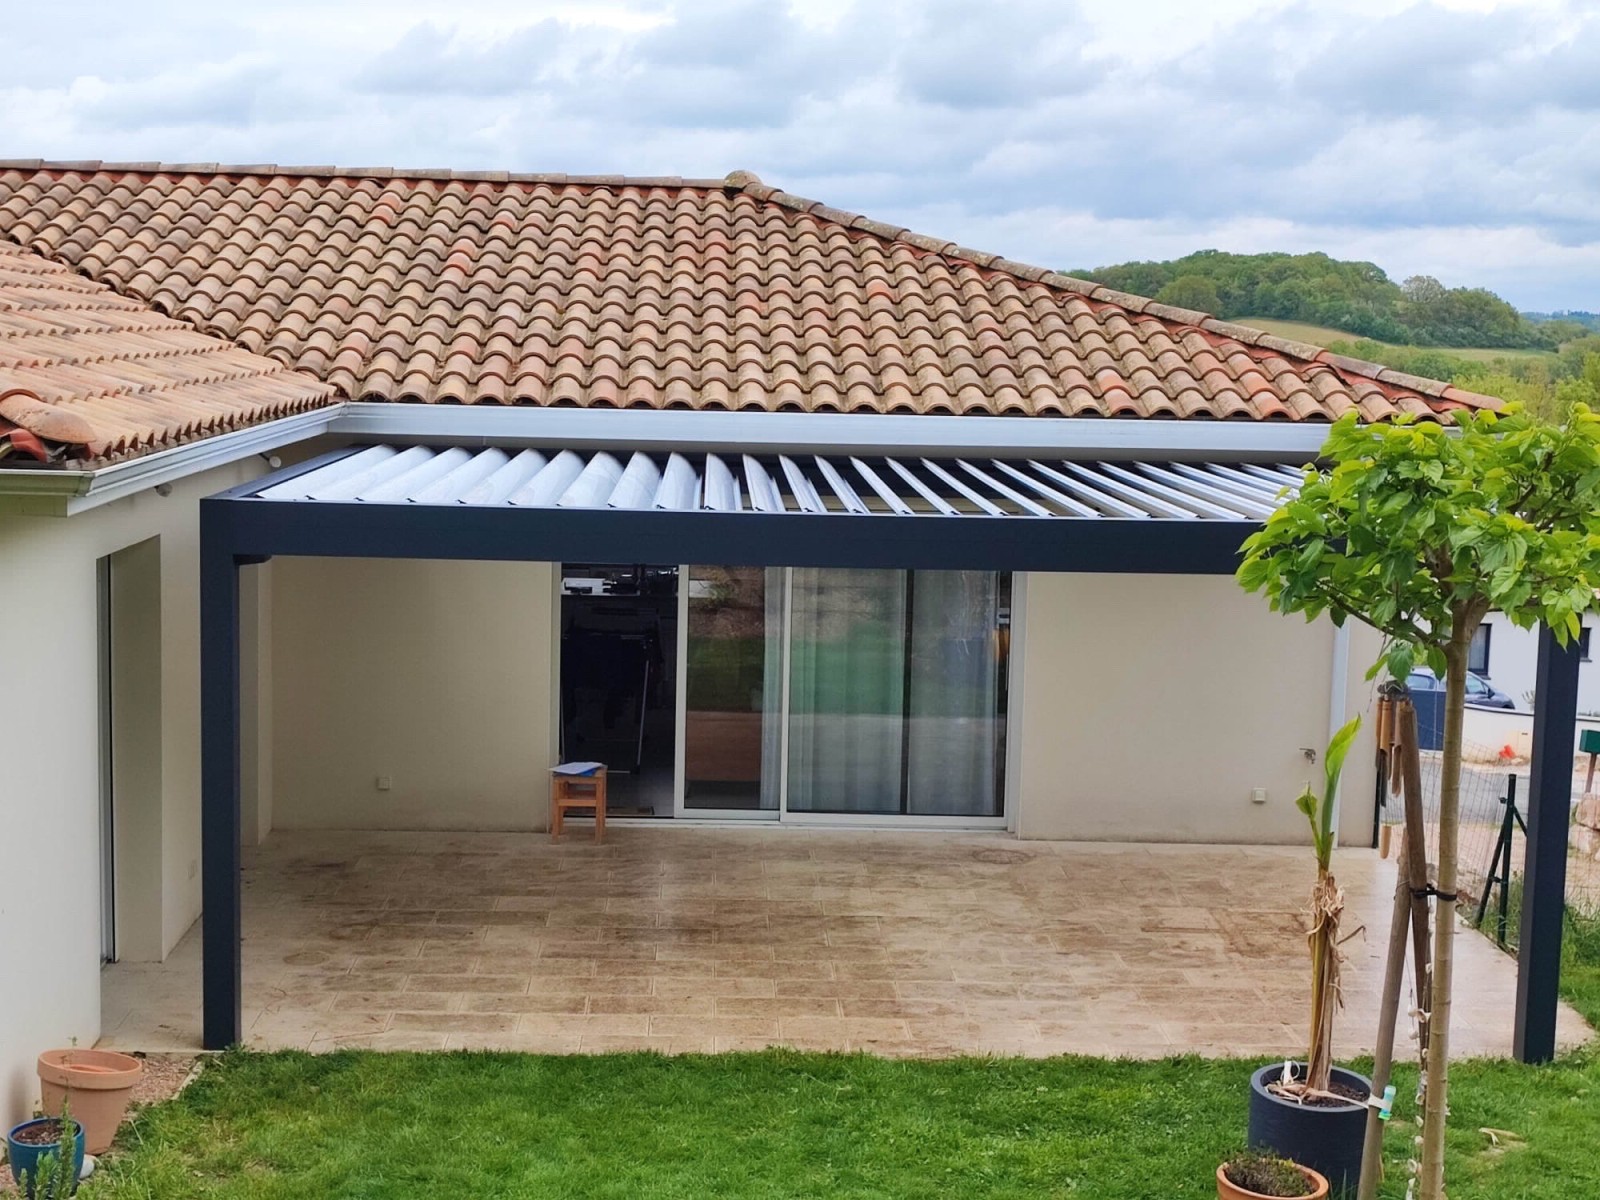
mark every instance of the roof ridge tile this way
{"type": "Point", "coordinates": [1290, 347]}
{"type": "Point", "coordinates": [1069, 283]}
{"type": "Point", "coordinates": [1178, 316]}
{"type": "Point", "coordinates": [923, 241]}
{"type": "Point", "coordinates": [1471, 399]}
{"type": "Point", "coordinates": [1020, 269]}
{"type": "Point", "coordinates": [1239, 333]}
{"type": "Point", "coordinates": [1415, 383]}
{"type": "Point", "coordinates": [321, 171]}
{"type": "Point", "coordinates": [1354, 366]}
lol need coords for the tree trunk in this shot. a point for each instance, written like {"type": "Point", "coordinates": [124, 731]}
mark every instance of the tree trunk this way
{"type": "Point", "coordinates": [1455, 698]}
{"type": "Point", "coordinates": [1415, 859]}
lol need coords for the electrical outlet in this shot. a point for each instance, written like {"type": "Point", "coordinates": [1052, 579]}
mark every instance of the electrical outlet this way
{"type": "Point", "coordinates": [385, 782]}
{"type": "Point", "coordinates": [1258, 795]}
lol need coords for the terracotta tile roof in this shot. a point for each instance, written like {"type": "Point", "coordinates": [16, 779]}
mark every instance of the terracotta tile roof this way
{"type": "Point", "coordinates": [441, 286]}
{"type": "Point", "coordinates": [88, 374]}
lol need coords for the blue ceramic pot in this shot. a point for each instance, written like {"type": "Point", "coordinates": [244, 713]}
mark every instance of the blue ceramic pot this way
{"type": "Point", "coordinates": [24, 1157]}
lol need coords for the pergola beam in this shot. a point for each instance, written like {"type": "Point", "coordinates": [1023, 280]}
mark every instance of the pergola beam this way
{"type": "Point", "coordinates": [928, 542]}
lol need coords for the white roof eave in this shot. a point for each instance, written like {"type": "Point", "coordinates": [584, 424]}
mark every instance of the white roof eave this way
{"type": "Point", "coordinates": [834, 433]}
{"type": "Point", "coordinates": [61, 493]}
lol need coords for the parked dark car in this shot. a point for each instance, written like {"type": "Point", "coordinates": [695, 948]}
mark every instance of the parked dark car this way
{"type": "Point", "coordinates": [1479, 690]}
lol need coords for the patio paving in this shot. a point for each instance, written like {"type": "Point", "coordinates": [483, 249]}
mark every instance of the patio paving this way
{"type": "Point", "coordinates": [712, 938]}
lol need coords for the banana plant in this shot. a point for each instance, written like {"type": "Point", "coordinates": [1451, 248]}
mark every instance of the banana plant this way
{"type": "Point", "coordinates": [1327, 907]}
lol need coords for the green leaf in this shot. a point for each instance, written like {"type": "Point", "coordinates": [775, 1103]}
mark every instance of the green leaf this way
{"type": "Point", "coordinates": [1338, 749]}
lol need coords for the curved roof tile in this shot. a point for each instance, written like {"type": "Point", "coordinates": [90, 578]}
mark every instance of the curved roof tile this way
{"type": "Point", "coordinates": [659, 292]}
{"type": "Point", "coordinates": [86, 374]}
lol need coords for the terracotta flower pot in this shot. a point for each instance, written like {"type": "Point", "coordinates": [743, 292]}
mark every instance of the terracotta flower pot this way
{"type": "Point", "coordinates": [1228, 1190]}
{"type": "Point", "coordinates": [101, 1084]}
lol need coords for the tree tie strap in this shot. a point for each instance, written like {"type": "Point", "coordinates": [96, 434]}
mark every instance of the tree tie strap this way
{"type": "Point", "coordinates": [1422, 893]}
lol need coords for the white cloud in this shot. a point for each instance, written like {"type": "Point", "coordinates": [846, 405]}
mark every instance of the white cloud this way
{"type": "Point", "coordinates": [1455, 137]}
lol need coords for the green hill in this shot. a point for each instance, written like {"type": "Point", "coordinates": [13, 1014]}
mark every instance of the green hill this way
{"type": "Point", "coordinates": [1345, 298]}
{"type": "Point", "coordinates": [1326, 335]}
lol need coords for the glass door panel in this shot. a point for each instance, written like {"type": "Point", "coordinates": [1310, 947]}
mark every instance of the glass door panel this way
{"type": "Point", "coordinates": [732, 689]}
{"type": "Point", "coordinates": [954, 727]}
{"type": "Point", "coordinates": [896, 704]}
{"type": "Point", "coordinates": [847, 690]}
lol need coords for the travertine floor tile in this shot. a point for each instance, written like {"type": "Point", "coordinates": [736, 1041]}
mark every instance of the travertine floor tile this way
{"type": "Point", "coordinates": [700, 940]}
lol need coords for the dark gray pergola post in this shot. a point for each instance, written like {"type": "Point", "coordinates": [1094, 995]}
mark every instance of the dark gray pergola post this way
{"type": "Point", "coordinates": [219, 783]}
{"type": "Point", "coordinates": [1544, 873]}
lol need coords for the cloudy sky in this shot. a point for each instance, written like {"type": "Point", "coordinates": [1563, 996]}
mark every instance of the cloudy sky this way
{"type": "Point", "coordinates": [1459, 138]}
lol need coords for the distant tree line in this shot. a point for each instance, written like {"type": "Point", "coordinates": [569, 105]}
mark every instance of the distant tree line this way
{"type": "Point", "coordinates": [1353, 296]}
{"type": "Point", "coordinates": [1570, 323]}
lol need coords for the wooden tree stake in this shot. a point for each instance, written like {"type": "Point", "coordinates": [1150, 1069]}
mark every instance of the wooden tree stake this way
{"type": "Point", "coordinates": [1394, 970]}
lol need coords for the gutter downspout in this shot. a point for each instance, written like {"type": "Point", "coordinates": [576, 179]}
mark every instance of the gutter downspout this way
{"type": "Point", "coordinates": [1338, 697]}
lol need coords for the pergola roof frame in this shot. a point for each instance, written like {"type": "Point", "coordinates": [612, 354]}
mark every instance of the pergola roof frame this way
{"type": "Point", "coordinates": [240, 527]}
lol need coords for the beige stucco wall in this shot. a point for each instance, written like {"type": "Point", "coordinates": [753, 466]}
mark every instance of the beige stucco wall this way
{"type": "Point", "coordinates": [137, 758]}
{"type": "Point", "coordinates": [437, 675]}
{"type": "Point", "coordinates": [1358, 795]}
{"type": "Point", "coordinates": [1149, 706]}
{"type": "Point", "coordinates": [49, 798]}
{"type": "Point", "coordinates": [255, 703]}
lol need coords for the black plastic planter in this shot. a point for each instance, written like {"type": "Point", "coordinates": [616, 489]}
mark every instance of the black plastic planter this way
{"type": "Point", "coordinates": [1326, 1139]}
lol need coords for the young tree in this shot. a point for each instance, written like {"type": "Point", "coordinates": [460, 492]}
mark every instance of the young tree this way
{"type": "Point", "coordinates": [1419, 530]}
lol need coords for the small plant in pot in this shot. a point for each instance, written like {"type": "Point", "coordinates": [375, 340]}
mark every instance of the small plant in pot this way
{"type": "Point", "coordinates": [1313, 1112]}
{"type": "Point", "coordinates": [46, 1156]}
{"type": "Point", "coordinates": [1252, 1175]}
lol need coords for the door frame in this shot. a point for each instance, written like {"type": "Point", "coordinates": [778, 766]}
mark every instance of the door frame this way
{"type": "Point", "coordinates": [680, 731]}
{"type": "Point", "coordinates": [782, 814]}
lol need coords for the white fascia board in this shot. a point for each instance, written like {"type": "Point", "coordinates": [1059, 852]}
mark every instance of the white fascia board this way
{"type": "Point", "coordinates": [832, 433]}
{"type": "Point", "coordinates": [63, 493]}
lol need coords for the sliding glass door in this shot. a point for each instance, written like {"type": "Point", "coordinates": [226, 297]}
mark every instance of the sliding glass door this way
{"type": "Point", "coordinates": [847, 690]}
{"type": "Point", "coordinates": [854, 693]}
{"type": "Point", "coordinates": [896, 703]}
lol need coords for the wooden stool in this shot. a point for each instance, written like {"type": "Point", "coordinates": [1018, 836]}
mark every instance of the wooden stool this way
{"type": "Point", "coordinates": [578, 791]}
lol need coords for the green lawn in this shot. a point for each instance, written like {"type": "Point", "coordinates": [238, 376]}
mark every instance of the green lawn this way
{"type": "Point", "coordinates": [781, 1124]}
{"type": "Point", "coordinates": [1324, 335]}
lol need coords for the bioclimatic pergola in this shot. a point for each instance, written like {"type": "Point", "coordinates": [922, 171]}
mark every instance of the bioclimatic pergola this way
{"type": "Point", "coordinates": [812, 490]}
